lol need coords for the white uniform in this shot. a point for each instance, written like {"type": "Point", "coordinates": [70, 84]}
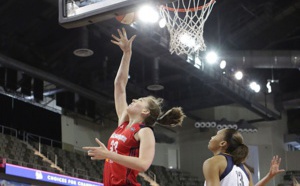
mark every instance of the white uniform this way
{"type": "Point", "coordinates": [234, 175]}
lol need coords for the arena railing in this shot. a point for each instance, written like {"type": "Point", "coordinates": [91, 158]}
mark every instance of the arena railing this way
{"type": "Point", "coordinates": [31, 139]}
{"type": "Point", "coordinates": [8, 130]}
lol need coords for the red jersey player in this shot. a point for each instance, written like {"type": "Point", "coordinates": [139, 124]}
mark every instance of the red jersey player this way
{"type": "Point", "coordinates": [131, 147]}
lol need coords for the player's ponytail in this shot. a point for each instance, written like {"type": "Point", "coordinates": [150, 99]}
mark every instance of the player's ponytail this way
{"type": "Point", "coordinates": [236, 147]}
{"type": "Point", "coordinates": [172, 117]}
{"type": "Point", "coordinates": [240, 154]}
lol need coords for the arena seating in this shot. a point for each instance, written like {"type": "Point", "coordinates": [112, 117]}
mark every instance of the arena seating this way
{"type": "Point", "coordinates": [173, 177]}
{"type": "Point", "coordinates": [33, 154]}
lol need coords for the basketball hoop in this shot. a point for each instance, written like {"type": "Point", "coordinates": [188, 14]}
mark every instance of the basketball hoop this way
{"type": "Point", "coordinates": [185, 21]}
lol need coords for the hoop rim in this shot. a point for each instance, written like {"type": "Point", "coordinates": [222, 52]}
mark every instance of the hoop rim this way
{"type": "Point", "coordinates": [189, 9]}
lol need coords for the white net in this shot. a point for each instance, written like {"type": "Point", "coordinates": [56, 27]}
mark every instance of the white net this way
{"type": "Point", "coordinates": [185, 21]}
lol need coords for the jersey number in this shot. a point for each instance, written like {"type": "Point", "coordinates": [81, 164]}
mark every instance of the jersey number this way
{"type": "Point", "coordinates": [114, 146]}
{"type": "Point", "coordinates": [240, 179]}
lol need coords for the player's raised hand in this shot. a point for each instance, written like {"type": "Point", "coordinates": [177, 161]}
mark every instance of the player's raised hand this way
{"type": "Point", "coordinates": [274, 167]}
{"type": "Point", "coordinates": [122, 41]}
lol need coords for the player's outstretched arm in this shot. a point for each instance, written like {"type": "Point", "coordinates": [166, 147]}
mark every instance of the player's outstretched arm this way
{"type": "Point", "coordinates": [274, 170]}
{"type": "Point", "coordinates": [121, 78]}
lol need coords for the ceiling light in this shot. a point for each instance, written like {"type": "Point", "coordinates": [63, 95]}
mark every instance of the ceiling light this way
{"type": "Point", "coordinates": [238, 75]}
{"type": "Point", "coordinates": [155, 87]}
{"type": "Point", "coordinates": [244, 126]}
{"type": "Point", "coordinates": [222, 64]}
{"type": "Point", "coordinates": [148, 14]}
{"type": "Point", "coordinates": [83, 52]}
{"type": "Point", "coordinates": [211, 57]}
{"type": "Point", "coordinates": [208, 124]}
{"type": "Point", "coordinates": [269, 87]}
{"type": "Point", "coordinates": [255, 87]}
{"type": "Point", "coordinates": [83, 49]}
{"type": "Point", "coordinates": [162, 23]}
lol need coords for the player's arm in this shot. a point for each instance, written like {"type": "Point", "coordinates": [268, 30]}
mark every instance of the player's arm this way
{"type": "Point", "coordinates": [274, 170]}
{"type": "Point", "coordinates": [120, 88]}
{"type": "Point", "coordinates": [121, 78]}
{"type": "Point", "coordinates": [141, 163]}
{"type": "Point", "coordinates": [146, 154]}
{"type": "Point", "coordinates": [211, 171]}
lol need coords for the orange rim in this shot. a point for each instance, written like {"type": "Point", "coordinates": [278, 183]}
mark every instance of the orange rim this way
{"type": "Point", "coordinates": [189, 9]}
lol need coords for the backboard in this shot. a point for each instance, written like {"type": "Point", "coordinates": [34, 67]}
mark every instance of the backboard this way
{"type": "Point", "coordinates": [77, 13]}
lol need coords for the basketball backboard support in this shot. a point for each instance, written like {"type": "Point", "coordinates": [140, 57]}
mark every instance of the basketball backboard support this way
{"type": "Point", "coordinates": [77, 13]}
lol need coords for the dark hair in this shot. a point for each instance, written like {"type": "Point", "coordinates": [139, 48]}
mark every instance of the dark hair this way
{"type": "Point", "coordinates": [172, 117]}
{"type": "Point", "coordinates": [236, 147]}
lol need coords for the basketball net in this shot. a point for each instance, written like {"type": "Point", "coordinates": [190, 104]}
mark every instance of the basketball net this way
{"type": "Point", "coordinates": [185, 22]}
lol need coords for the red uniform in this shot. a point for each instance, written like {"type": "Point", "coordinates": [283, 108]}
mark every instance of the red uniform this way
{"type": "Point", "coordinates": [122, 141]}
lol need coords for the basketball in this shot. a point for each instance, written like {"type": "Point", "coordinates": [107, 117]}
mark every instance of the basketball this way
{"type": "Point", "coordinates": [127, 18]}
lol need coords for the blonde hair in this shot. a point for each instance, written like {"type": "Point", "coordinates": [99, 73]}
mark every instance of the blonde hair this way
{"type": "Point", "coordinates": [172, 117]}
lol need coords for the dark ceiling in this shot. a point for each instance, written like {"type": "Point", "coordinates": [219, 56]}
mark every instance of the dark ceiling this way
{"type": "Point", "coordinates": [260, 37]}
